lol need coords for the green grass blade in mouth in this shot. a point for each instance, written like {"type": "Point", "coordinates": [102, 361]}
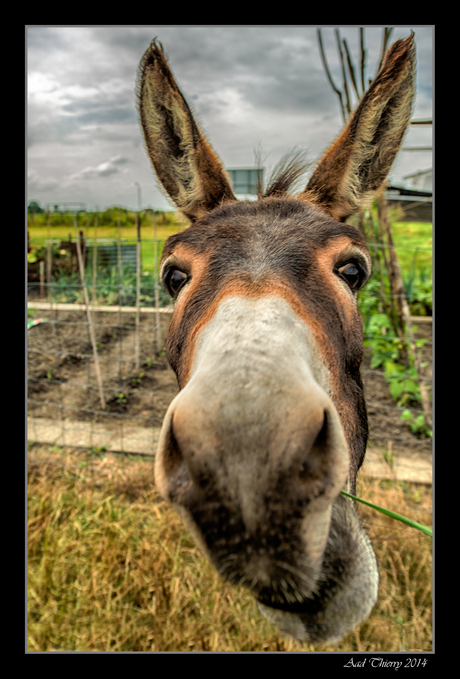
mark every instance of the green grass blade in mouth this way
{"type": "Point", "coordinates": [392, 515]}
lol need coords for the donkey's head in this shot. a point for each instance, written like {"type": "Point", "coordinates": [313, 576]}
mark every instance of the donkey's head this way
{"type": "Point", "coordinates": [266, 342]}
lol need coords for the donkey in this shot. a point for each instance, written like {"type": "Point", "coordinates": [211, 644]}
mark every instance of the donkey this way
{"type": "Point", "coordinates": [270, 423]}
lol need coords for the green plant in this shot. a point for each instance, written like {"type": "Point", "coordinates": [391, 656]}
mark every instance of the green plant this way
{"type": "Point", "coordinates": [136, 381]}
{"type": "Point", "coordinates": [97, 452]}
{"type": "Point", "coordinates": [110, 289]}
{"type": "Point", "coordinates": [417, 424]}
{"type": "Point", "coordinates": [40, 253]}
{"type": "Point", "coordinates": [392, 353]}
{"type": "Point", "coordinates": [66, 287]}
{"type": "Point", "coordinates": [392, 515]}
{"type": "Point", "coordinates": [418, 288]}
{"type": "Point", "coordinates": [403, 383]}
{"type": "Point", "coordinates": [380, 337]}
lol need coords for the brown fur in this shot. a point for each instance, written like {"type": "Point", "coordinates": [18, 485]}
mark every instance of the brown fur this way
{"type": "Point", "coordinates": [262, 437]}
{"type": "Point", "coordinates": [195, 307]}
{"type": "Point", "coordinates": [184, 161]}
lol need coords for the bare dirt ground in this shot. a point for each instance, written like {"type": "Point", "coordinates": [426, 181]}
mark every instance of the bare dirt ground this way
{"type": "Point", "coordinates": [62, 380]}
{"type": "Point", "coordinates": [387, 432]}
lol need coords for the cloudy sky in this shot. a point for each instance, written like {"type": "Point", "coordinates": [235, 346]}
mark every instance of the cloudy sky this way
{"type": "Point", "coordinates": [250, 86]}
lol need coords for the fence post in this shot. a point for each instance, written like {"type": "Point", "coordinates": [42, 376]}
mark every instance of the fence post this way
{"type": "Point", "coordinates": [94, 260]}
{"type": "Point", "coordinates": [155, 276]}
{"type": "Point", "coordinates": [138, 289]}
{"type": "Point", "coordinates": [88, 316]}
{"type": "Point", "coordinates": [120, 266]}
{"type": "Point", "coordinates": [49, 260]}
{"type": "Point", "coordinates": [41, 268]}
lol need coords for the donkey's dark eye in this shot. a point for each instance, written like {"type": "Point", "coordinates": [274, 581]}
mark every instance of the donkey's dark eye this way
{"type": "Point", "coordinates": [174, 280]}
{"type": "Point", "coordinates": [351, 274]}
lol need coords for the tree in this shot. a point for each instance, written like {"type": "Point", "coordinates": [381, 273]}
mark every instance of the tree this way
{"type": "Point", "coordinates": [34, 208]}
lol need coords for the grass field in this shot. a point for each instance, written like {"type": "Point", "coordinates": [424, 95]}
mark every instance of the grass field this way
{"type": "Point", "coordinates": [126, 232]}
{"type": "Point", "coordinates": [110, 568]}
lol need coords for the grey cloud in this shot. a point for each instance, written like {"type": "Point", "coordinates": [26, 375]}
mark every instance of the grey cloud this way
{"type": "Point", "coordinates": [103, 169]}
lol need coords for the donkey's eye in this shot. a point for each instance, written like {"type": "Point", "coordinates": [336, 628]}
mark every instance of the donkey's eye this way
{"type": "Point", "coordinates": [351, 273]}
{"type": "Point", "coordinates": [174, 280]}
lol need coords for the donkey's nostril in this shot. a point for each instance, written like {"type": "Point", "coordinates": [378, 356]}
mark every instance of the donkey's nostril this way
{"type": "Point", "coordinates": [177, 477]}
{"type": "Point", "coordinates": [315, 462]}
{"type": "Point", "coordinates": [173, 455]}
{"type": "Point", "coordinates": [321, 439]}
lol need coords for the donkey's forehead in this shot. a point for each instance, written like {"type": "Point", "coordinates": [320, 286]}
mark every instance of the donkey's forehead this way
{"type": "Point", "coordinates": [287, 223]}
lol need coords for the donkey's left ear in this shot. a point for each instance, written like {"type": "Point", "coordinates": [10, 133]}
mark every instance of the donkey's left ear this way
{"type": "Point", "coordinates": [185, 163]}
{"type": "Point", "coordinates": [354, 168]}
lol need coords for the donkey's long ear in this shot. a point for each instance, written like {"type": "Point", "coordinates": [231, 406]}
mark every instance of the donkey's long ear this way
{"type": "Point", "coordinates": [354, 168]}
{"type": "Point", "coordinates": [184, 161]}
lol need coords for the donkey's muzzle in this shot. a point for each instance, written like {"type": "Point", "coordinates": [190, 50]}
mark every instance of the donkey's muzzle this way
{"type": "Point", "coordinates": [252, 453]}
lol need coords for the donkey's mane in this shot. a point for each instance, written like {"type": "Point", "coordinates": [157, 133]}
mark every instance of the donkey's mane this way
{"type": "Point", "coordinates": [286, 173]}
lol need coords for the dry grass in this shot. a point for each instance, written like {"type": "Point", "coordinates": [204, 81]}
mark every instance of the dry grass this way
{"type": "Point", "coordinates": [112, 569]}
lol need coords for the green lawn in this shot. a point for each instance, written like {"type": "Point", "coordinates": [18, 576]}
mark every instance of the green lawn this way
{"type": "Point", "coordinates": [129, 233]}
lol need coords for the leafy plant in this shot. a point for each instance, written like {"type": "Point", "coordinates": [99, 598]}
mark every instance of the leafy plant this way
{"type": "Point", "coordinates": [110, 290]}
{"type": "Point", "coordinates": [380, 336]}
{"type": "Point", "coordinates": [419, 293]}
{"type": "Point", "coordinates": [392, 353]}
{"type": "Point", "coordinates": [403, 383]}
{"type": "Point", "coordinates": [417, 424]}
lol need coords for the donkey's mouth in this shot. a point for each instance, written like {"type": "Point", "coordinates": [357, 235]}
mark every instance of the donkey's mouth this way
{"type": "Point", "coordinates": [294, 607]}
{"type": "Point", "coordinates": [295, 600]}
{"type": "Point", "coordinates": [305, 620]}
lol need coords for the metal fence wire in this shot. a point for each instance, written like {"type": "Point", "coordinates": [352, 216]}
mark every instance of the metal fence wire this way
{"type": "Point", "coordinates": [97, 373]}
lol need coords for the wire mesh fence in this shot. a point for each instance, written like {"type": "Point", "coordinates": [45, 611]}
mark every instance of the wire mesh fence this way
{"type": "Point", "coordinates": [97, 372]}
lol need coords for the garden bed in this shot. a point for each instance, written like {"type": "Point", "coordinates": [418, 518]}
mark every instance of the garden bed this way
{"type": "Point", "coordinates": [63, 386]}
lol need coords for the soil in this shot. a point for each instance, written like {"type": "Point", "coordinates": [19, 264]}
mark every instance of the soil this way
{"type": "Point", "coordinates": [62, 379]}
{"type": "Point", "coordinates": [62, 373]}
{"type": "Point", "coordinates": [386, 431]}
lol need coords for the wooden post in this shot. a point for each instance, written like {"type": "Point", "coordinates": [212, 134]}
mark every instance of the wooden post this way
{"type": "Point", "coordinates": [384, 305]}
{"type": "Point", "coordinates": [82, 247]}
{"type": "Point", "coordinates": [120, 266]}
{"type": "Point", "coordinates": [392, 266]}
{"type": "Point", "coordinates": [49, 259]}
{"type": "Point", "coordinates": [94, 260]}
{"type": "Point", "coordinates": [155, 277]}
{"type": "Point", "coordinates": [89, 319]}
{"type": "Point", "coordinates": [41, 267]}
{"type": "Point", "coordinates": [138, 289]}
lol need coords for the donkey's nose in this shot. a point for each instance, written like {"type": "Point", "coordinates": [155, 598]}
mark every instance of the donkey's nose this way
{"type": "Point", "coordinates": [297, 458]}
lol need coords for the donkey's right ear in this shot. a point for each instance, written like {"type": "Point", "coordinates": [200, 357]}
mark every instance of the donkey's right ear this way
{"type": "Point", "coordinates": [184, 161]}
{"type": "Point", "coordinates": [356, 166]}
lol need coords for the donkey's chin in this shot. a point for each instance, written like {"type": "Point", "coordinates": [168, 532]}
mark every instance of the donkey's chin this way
{"type": "Point", "coordinates": [318, 620]}
{"type": "Point", "coordinates": [344, 594]}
